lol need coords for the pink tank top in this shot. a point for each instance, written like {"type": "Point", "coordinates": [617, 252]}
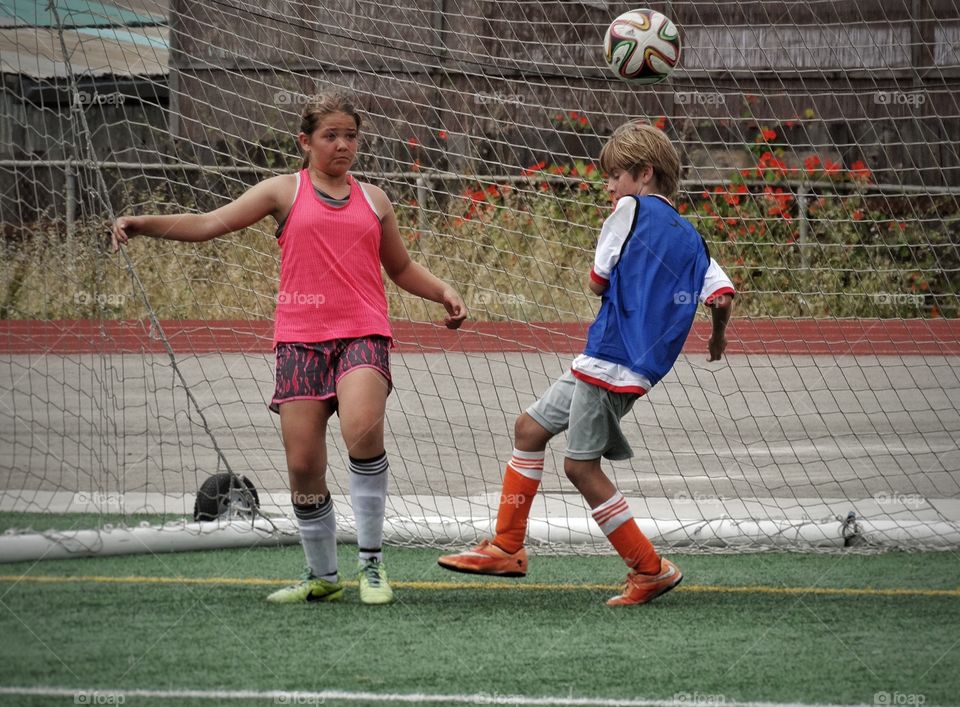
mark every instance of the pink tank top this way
{"type": "Point", "coordinates": [331, 286]}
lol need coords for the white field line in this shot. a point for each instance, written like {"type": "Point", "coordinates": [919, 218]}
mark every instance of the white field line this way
{"type": "Point", "coordinates": [108, 696]}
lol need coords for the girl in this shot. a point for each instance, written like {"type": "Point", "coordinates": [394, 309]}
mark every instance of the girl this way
{"type": "Point", "coordinates": [332, 334]}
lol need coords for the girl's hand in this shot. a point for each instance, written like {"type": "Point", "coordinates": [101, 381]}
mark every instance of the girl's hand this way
{"type": "Point", "coordinates": [123, 228]}
{"type": "Point", "coordinates": [456, 309]}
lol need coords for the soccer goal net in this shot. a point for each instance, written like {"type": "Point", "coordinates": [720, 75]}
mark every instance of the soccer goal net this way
{"type": "Point", "coordinates": [820, 162]}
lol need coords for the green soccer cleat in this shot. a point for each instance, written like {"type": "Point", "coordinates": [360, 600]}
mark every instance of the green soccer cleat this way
{"type": "Point", "coordinates": [374, 588]}
{"type": "Point", "coordinates": [311, 589]}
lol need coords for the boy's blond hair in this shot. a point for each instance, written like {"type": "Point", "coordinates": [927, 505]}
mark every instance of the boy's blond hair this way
{"type": "Point", "coordinates": [637, 144]}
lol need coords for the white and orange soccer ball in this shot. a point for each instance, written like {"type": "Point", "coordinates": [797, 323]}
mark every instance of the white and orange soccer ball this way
{"type": "Point", "coordinates": [642, 46]}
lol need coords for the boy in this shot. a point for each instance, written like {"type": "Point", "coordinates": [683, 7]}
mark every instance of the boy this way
{"type": "Point", "coordinates": [651, 267]}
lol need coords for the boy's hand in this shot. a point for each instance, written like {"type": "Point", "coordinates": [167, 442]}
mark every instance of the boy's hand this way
{"type": "Point", "coordinates": [456, 309]}
{"type": "Point", "coordinates": [717, 345]}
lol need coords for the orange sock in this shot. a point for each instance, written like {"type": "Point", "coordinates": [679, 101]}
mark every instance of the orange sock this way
{"type": "Point", "coordinates": [520, 483]}
{"type": "Point", "coordinates": [615, 520]}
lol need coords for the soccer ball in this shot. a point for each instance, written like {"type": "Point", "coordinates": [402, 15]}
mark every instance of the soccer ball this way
{"type": "Point", "coordinates": [642, 46]}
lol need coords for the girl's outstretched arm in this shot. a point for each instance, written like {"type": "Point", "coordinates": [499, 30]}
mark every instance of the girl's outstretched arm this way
{"type": "Point", "coordinates": [261, 200]}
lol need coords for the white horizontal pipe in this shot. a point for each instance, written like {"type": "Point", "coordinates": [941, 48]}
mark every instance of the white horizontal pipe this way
{"type": "Point", "coordinates": [728, 533]}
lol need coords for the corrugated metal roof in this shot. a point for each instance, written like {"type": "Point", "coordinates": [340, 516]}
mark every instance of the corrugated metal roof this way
{"type": "Point", "coordinates": [123, 38]}
{"type": "Point", "coordinates": [37, 52]}
{"type": "Point", "coordinates": [80, 13]}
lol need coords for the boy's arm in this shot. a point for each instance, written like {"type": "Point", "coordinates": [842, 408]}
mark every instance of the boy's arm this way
{"type": "Point", "coordinates": [720, 308]}
{"type": "Point", "coordinates": [717, 293]}
{"type": "Point", "coordinates": [612, 236]}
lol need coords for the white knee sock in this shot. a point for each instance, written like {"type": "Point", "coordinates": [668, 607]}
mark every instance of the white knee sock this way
{"type": "Point", "coordinates": [368, 493]}
{"type": "Point", "coordinates": [318, 534]}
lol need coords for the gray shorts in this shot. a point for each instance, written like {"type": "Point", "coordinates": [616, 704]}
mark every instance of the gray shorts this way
{"type": "Point", "coordinates": [592, 415]}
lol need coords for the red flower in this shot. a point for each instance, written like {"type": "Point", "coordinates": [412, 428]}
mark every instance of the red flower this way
{"type": "Point", "coordinates": [768, 162]}
{"type": "Point", "coordinates": [533, 168]}
{"type": "Point", "coordinates": [583, 121]}
{"type": "Point", "coordinates": [812, 163]}
{"type": "Point", "coordinates": [583, 186]}
{"type": "Point", "coordinates": [442, 135]}
{"type": "Point", "coordinates": [661, 122]}
{"type": "Point", "coordinates": [413, 142]}
{"type": "Point", "coordinates": [415, 167]}
{"type": "Point", "coordinates": [683, 208]}
{"type": "Point", "coordinates": [860, 172]}
{"type": "Point", "coordinates": [831, 168]}
{"type": "Point", "coordinates": [768, 134]}
{"type": "Point", "coordinates": [858, 215]}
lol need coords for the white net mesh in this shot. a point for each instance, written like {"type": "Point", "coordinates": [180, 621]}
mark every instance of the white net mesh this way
{"type": "Point", "coordinates": [820, 162]}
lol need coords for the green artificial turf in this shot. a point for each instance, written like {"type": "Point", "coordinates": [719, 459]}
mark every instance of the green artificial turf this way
{"type": "Point", "coordinates": [556, 639]}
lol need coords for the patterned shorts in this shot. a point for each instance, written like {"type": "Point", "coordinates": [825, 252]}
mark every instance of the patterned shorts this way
{"type": "Point", "coordinates": [311, 371]}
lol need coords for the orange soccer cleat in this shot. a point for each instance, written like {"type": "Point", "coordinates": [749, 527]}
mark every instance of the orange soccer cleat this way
{"type": "Point", "coordinates": [487, 558]}
{"type": "Point", "coordinates": [642, 588]}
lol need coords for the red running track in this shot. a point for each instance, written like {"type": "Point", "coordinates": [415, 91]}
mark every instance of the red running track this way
{"type": "Point", "coordinates": [884, 337]}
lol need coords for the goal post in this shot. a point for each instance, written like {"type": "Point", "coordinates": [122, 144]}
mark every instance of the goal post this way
{"type": "Point", "coordinates": [820, 162]}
